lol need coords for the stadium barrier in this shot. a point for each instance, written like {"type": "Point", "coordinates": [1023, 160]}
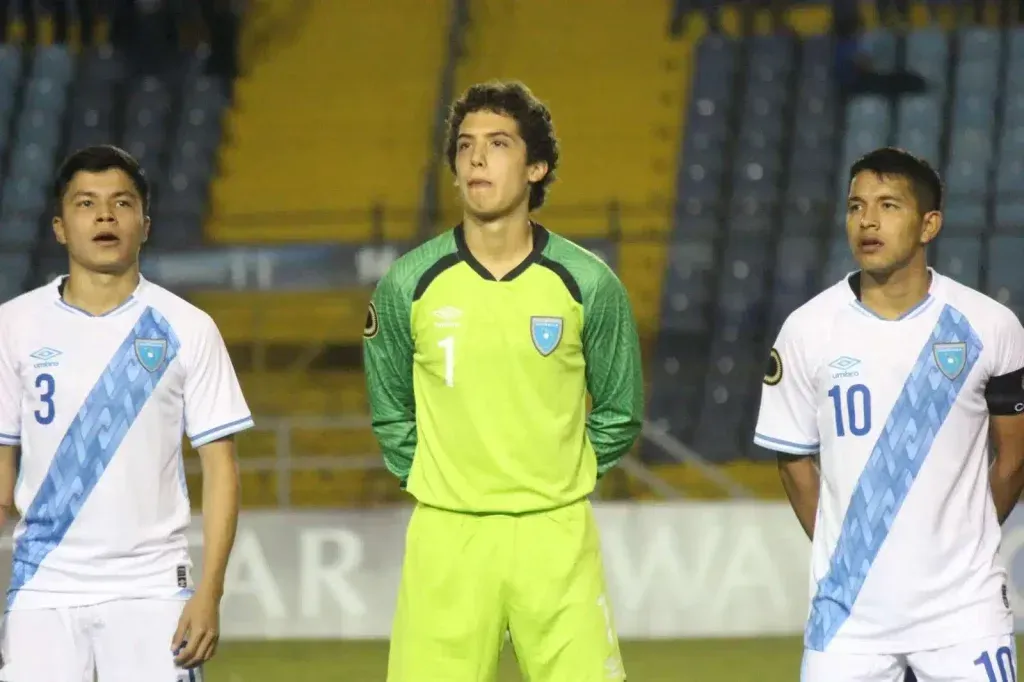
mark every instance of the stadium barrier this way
{"type": "Point", "coordinates": [707, 569]}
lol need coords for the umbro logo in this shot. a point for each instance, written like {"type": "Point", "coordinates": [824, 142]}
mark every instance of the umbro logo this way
{"type": "Point", "coordinates": [844, 367]}
{"type": "Point", "coordinates": [447, 316]}
{"type": "Point", "coordinates": [46, 357]}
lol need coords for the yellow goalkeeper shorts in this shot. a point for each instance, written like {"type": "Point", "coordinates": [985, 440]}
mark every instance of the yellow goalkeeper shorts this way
{"type": "Point", "coordinates": [469, 579]}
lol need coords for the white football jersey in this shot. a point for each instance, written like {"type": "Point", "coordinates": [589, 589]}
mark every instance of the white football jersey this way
{"type": "Point", "coordinates": [99, 405]}
{"type": "Point", "coordinates": [906, 539]}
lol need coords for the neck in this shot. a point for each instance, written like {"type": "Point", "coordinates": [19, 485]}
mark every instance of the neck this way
{"type": "Point", "coordinates": [499, 244]}
{"type": "Point", "coordinates": [97, 292]}
{"type": "Point", "coordinates": [892, 295]}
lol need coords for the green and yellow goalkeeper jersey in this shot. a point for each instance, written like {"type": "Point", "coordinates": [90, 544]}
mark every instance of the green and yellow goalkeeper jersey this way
{"type": "Point", "coordinates": [478, 386]}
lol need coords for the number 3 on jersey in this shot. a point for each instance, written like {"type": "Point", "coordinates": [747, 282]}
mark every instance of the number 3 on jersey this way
{"type": "Point", "coordinates": [46, 412]}
{"type": "Point", "coordinates": [857, 416]}
{"type": "Point", "coordinates": [448, 344]}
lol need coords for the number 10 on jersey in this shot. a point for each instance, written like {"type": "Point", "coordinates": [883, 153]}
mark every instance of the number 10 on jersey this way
{"type": "Point", "coordinates": [852, 409]}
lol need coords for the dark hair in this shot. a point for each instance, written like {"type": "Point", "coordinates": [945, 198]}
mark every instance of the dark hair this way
{"type": "Point", "coordinates": [96, 160]}
{"type": "Point", "coordinates": [512, 99]}
{"type": "Point", "coordinates": [924, 180]}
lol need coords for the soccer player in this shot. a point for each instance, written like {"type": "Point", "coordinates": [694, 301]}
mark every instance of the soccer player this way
{"type": "Point", "coordinates": [101, 372]}
{"type": "Point", "coordinates": [480, 348]}
{"type": "Point", "coordinates": [899, 379]}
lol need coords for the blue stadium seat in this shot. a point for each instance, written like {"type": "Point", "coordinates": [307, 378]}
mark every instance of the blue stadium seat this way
{"type": "Point", "coordinates": [977, 78]}
{"type": "Point", "coordinates": [964, 217]}
{"type": "Point", "coordinates": [960, 258]}
{"type": "Point", "coordinates": [1010, 179]}
{"type": "Point", "coordinates": [880, 47]}
{"type": "Point", "coordinates": [53, 62]}
{"type": "Point", "coordinates": [927, 54]}
{"type": "Point", "coordinates": [966, 178]}
{"type": "Point", "coordinates": [33, 162]}
{"type": "Point", "coordinates": [804, 218]}
{"type": "Point", "coordinates": [13, 273]}
{"type": "Point", "coordinates": [1005, 275]}
{"type": "Point", "coordinates": [23, 199]}
{"type": "Point", "coordinates": [979, 44]}
{"type": "Point", "coordinates": [797, 264]}
{"type": "Point", "coordinates": [974, 111]}
{"type": "Point", "coordinates": [839, 261]}
{"type": "Point", "coordinates": [10, 64]}
{"type": "Point", "coordinates": [689, 286]}
{"type": "Point", "coordinates": [1009, 215]}
{"type": "Point", "coordinates": [18, 235]}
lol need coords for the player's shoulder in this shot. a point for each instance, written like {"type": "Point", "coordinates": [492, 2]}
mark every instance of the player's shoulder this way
{"type": "Point", "coordinates": [816, 312]}
{"type": "Point", "coordinates": [406, 272]}
{"type": "Point", "coordinates": [182, 315]}
{"type": "Point", "coordinates": [982, 311]}
{"type": "Point", "coordinates": [585, 267]}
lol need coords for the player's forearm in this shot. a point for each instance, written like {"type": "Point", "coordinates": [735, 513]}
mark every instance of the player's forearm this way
{"type": "Point", "coordinates": [8, 476]}
{"type": "Point", "coordinates": [801, 481]}
{"type": "Point", "coordinates": [612, 435]}
{"type": "Point", "coordinates": [221, 492]}
{"type": "Point", "coordinates": [398, 444]}
{"type": "Point", "coordinates": [1006, 478]}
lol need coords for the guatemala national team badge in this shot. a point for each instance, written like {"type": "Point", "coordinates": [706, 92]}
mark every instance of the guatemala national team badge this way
{"type": "Point", "coordinates": [151, 353]}
{"type": "Point", "coordinates": [546, 333]}
{"type": "Point", "coordinates": [950, 358]}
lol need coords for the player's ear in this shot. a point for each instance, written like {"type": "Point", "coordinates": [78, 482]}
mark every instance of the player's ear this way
{"type": "Point", "coordinates": [146, 222]}
{"type": "Point", "coordinates": [58, 230]}
{"type": "Point", "coordinates": [535, 172]}
{"type": "Point", "coordinates": [931, 225]}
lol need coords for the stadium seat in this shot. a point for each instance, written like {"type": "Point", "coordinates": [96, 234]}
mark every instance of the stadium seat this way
{"type": "Point", "coordinates": [335, 95]}
{"type": "Point", "coordinates": [1005, 278]}
{"type": "Point", "coordinates": [639, 127]}
{"type": "Point", "coordinates": [959, 258]}
{"type": "Point", "coordinates": [927, 54]}
{"type": "Point", "coordinates": [963, 217]}
{"type": "Point", "coordinates": [13, 273]}
{"type": "Point", "coordinates": [688, 286]}
{"type": "Point", "coordinates": [298, 318]}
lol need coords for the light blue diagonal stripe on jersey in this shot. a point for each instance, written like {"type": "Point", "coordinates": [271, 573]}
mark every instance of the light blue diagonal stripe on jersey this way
{"type": "Point", "coordinates": [896, 459]}
{"type": "Point", "coordinates": [95, 434]}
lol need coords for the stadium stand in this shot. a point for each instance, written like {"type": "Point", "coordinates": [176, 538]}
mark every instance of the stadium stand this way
{"type": "Point", "coordinates": [336, 97]}
{"type": "Point", "coordinates": [629, 114]}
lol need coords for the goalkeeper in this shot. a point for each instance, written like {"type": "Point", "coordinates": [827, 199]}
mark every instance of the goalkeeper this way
{"type": "Point", "coordinates": [480, 348]}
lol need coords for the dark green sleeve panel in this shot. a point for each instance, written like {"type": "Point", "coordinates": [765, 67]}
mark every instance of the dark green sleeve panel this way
{"type": "Point", "coordinates": [388, 354]}
{"type": "Point", "coordinates": [611, 348]}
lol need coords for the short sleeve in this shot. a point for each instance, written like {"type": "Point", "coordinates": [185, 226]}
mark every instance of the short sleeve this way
{"type": "Point", "coordinates": [787, 420]}
{"type": "Point", "coordinates": [10, 390]}
{"type": "Point", "coordinates": [214, 405]}
{"type": "Point", "coordinates": [1004, 392]}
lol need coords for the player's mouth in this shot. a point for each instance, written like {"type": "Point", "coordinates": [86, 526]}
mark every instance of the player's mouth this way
{"type": "Point", "coordinates": [871, 244]}
{"type": "Point", "coordinates": [106, 239]}
{"type": "Point", "coordinates": [478, 184]}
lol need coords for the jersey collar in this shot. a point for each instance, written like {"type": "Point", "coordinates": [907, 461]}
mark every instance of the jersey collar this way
{"type": "Point", "coordinates": [57, 287]}
{"type": "Point", "coordinates": [540, 242]}
{"type": "Point", "coordinates": [853, 280]}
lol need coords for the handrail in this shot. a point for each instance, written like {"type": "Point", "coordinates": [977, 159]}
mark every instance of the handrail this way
{"type": "Point", "coordinates": [285, 461]}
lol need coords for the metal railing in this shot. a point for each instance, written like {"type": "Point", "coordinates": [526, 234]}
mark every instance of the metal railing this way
{"type": "Point", "coordinates": [285, 461]}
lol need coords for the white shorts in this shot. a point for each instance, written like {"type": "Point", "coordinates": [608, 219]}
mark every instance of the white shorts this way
{"type": "Point", "coordinates": [118, 641]}
{"type": "Point", "coordinates": [993, 659]}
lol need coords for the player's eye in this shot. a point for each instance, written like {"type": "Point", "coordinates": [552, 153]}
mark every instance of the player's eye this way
{"type": "Point", "coordinates": [84, 203]}
{"type": "Point", "coordinates": [888, 205]}
{"type": "Point", "coordinates": [124, 203]}
{"type": "Point", "coordinates": [462, 146]}
{"type": "Point", "coordinates": [852, 208]}
{"type": "Point", "coordinates": [499, 143]}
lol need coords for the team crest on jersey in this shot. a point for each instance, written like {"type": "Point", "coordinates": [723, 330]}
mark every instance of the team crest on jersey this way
{"type": "Point", "coordinates": [950, 358]}
{"type": "Point", "coordinates": [546, 333]}
{"type": "Point", "coordinates": [773, 374]}
{"type": "Point", "coordinates": [151, 353]}
{"type": "Point", "coordinates": [372, 324]}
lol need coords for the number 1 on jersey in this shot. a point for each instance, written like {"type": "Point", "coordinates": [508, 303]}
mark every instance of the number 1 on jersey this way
{"type": "Point", "coordinates": [448, 344]}
{"type": "Point", "coordinates": [858, 417]}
